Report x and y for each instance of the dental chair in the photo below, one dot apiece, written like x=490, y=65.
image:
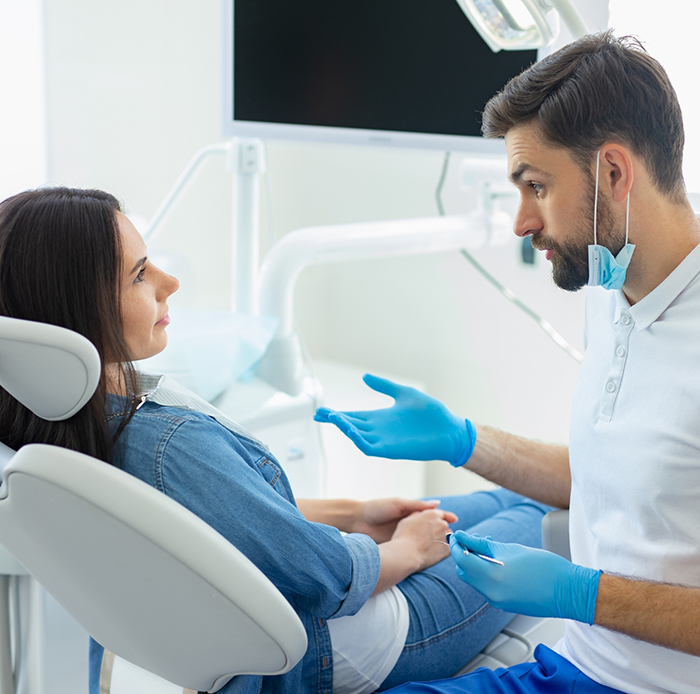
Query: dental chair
x=176, y=606
x=179, y=606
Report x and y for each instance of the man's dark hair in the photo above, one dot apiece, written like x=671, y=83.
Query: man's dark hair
x=596, y=90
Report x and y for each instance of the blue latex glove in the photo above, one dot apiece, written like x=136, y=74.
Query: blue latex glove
x=415, y=427
x=531, y=581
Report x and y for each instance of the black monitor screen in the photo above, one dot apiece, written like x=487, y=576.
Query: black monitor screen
x=397, y=65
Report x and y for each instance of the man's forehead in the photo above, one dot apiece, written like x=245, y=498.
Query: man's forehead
x=523, y=143
x=527, y=151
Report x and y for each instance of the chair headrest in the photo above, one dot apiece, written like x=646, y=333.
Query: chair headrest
x=51, y=370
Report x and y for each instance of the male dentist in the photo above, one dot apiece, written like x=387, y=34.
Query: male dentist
x=594, y=139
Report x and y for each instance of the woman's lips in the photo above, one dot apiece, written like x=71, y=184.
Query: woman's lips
x=165, y=320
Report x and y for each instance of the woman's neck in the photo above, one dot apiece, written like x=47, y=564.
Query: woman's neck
x=114, y=376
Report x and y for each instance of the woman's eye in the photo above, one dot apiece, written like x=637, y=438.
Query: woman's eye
x=139, y=277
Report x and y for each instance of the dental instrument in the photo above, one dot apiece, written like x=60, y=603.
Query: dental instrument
x=466, y=551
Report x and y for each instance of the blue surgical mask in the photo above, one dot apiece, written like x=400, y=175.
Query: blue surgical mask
x=604, y=269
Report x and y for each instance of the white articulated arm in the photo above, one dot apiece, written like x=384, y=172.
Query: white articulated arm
x=574, y=23
x=281, y=365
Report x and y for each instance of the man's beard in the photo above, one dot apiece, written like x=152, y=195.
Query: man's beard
x=570, y=258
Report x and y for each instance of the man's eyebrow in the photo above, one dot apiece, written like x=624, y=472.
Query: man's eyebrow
x=138, y=265
x=517, y=174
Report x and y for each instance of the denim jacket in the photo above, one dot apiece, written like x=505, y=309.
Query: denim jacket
x=234, y=484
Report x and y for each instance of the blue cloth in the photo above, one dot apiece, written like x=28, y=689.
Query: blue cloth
x=550, y=674
x=238, y=488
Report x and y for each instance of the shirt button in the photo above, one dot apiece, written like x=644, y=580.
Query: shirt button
x=626, y=320
x=611, y=387
x=620, y=351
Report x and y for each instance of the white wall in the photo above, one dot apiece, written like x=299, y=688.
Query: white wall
x=134, y=90
x=668, y=36
x=23, y=113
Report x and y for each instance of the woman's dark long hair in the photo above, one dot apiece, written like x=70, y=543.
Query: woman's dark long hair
x=60, y=263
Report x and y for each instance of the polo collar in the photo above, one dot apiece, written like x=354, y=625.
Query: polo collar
x=149, y=384
x=650, y=308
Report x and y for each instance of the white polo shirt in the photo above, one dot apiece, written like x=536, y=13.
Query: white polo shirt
x=635, y=464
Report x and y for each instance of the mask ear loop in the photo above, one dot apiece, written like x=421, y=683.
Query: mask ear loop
x=595, y=207
x=595, y=201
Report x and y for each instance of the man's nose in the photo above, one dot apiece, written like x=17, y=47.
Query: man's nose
x=527, y=219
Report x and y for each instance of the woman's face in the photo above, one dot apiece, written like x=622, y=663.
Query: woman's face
x=145, y=290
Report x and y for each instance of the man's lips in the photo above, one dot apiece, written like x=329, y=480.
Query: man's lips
x=548, y=252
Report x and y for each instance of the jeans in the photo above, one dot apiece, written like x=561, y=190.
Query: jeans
x=450, y=622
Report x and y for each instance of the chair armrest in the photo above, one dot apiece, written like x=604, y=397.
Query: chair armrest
x=555, y=533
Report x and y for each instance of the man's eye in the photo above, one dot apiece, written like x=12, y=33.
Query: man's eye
x=537, y=187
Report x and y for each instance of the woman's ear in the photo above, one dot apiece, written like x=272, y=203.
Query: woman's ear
x=616, y=171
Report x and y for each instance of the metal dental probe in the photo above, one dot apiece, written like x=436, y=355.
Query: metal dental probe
x=481, y=556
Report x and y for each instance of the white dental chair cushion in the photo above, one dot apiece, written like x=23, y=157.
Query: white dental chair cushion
x=50, y=370
x=555, y=533
x=144, y=576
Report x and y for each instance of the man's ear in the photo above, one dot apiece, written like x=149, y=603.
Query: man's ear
x=616, y=171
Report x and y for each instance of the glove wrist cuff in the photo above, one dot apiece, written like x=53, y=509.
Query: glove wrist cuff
x=582, y=587
x=467, y=435
x=592, y=596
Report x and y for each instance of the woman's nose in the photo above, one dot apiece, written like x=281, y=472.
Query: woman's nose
x=174, y=284
x=168, y=285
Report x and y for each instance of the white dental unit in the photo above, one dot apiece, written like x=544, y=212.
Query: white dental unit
x=297, y=94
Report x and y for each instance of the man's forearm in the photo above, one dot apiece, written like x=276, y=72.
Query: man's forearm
x=537, y=470
x=660, y=613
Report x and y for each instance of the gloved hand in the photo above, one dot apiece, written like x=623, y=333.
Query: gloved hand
x=415, y=427
x=531, y=581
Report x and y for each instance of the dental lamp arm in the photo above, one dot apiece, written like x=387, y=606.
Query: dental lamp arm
x=344, y=242
x=281, y=365
x=570, y=16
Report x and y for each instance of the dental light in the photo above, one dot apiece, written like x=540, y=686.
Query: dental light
x=521, y=24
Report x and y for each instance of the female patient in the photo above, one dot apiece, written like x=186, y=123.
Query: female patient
x=381, y=604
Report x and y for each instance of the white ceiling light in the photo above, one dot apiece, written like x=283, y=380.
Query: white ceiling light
x=521, y=24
